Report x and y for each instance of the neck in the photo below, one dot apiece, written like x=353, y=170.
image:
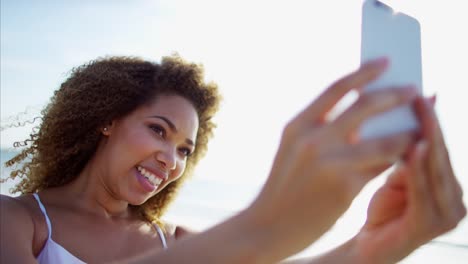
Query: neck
x=89, y=193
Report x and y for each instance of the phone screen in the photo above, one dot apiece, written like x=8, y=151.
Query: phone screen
x=397, y=37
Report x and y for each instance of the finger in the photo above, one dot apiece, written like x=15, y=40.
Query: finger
x=368, y=72
x=398, y=177
x=388, y=202
x=381, y=169
x=419, y=193
x=427, y=117
x=431, y=132
x=425, y=206
x=374, y=154
x=446, y=188
x=433, y=100
x=372, y=103
x=439, y=156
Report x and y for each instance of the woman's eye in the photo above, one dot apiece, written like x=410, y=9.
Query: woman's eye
x=158, y=130
x=186, y=152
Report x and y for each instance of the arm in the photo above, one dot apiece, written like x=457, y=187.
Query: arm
x=341, y=254
x=17, y=231
x=316, y=162
x=240, y=239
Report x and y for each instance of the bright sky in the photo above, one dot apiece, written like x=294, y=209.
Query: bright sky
x=270, y=58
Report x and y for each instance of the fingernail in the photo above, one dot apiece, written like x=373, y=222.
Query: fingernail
x=421, y=147
x=433, y=100
x=381, y=62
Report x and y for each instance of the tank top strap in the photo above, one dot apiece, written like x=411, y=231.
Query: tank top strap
x=44, y=212
x=161, y=235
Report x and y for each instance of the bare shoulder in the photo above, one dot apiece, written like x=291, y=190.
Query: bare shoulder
x=14, y=208
x=20, y=213
x=17, y=229
x=24, y=205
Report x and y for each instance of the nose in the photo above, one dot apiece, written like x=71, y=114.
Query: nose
x=167, y=158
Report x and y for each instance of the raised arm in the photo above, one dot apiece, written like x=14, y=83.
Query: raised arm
x=316, y=174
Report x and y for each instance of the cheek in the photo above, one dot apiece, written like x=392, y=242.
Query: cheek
x=141, y=143
x=135, y=146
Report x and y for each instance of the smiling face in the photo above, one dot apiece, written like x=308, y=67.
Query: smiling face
x=147, y=149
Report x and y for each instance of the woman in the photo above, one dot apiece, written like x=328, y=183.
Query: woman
x=121, y=134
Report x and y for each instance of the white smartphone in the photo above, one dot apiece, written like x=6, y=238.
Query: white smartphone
x=397, y=37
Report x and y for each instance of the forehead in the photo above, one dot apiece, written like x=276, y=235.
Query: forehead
x=177, y=109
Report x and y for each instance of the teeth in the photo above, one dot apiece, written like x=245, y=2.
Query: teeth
x=148, y=175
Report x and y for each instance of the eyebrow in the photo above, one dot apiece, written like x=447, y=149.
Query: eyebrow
x=173, y=127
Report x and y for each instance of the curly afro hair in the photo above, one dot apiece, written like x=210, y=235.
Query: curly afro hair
x=95, y=94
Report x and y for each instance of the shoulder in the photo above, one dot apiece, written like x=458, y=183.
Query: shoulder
x=14, y=208
x=16, y=228
x=21, y=217
x=21, y=206
x=15, y=215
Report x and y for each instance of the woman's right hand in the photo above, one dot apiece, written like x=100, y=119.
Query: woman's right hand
x=318, y=170
x=320, y=165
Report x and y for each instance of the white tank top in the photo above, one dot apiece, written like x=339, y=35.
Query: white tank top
x=54, y=253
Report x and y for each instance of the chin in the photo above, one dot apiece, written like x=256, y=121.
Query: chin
x=138, y=199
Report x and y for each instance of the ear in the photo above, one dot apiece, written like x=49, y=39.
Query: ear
x=107, y=129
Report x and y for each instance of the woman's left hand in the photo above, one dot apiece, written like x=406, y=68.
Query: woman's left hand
x=421, y=200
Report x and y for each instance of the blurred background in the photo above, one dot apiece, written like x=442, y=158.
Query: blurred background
x=270, y=59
